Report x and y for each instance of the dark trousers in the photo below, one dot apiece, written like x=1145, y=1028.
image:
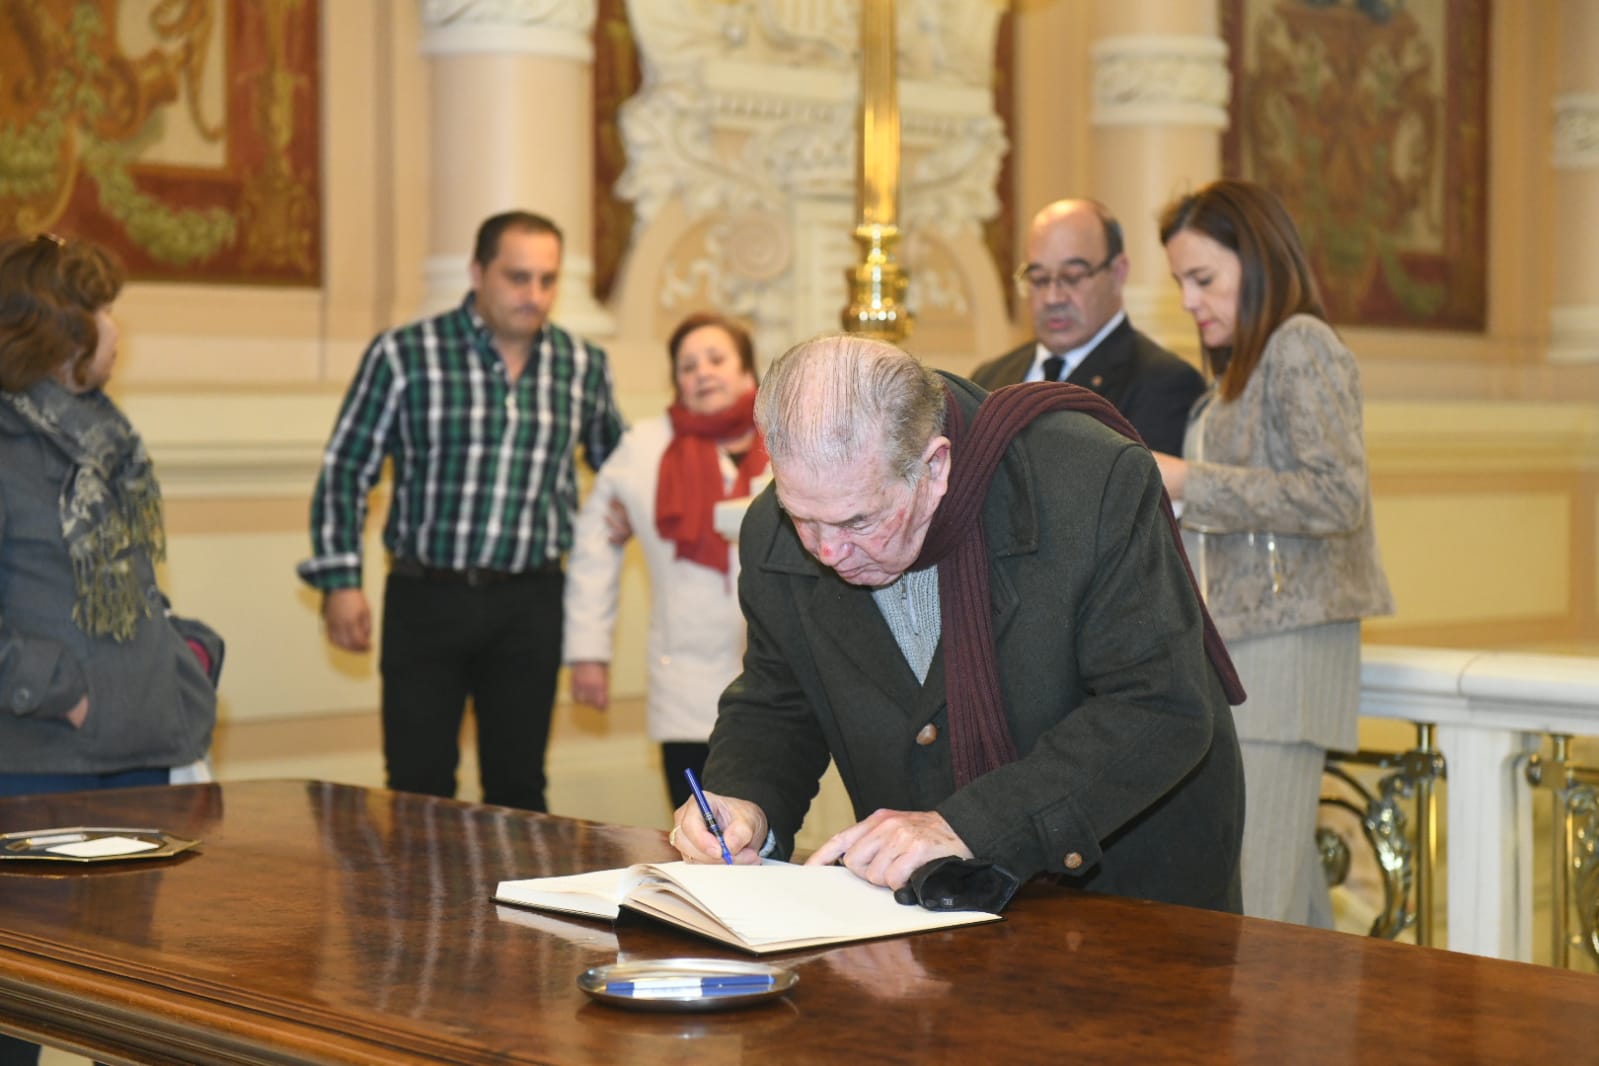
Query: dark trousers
x=14, y=1051
x=676, y=756
x=500, y=645
x=42, y=784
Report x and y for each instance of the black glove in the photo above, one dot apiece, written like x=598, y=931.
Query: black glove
x=955, y=884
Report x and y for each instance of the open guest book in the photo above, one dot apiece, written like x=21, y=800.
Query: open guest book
x=776, y=906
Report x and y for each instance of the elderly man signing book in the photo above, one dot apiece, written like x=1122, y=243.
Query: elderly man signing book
x=978, y=608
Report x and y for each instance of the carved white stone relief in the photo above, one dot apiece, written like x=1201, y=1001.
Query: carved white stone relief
x=944, y=41
x=948, y=41
x=739, y=264
x=808, y=32
x=736, y=256
x=559, y=28
x=1161, y=80
x=747, y=115
x=757, y=246
x=1577, y=131
x=936, y=283
x=951, y=171
x=576, y=15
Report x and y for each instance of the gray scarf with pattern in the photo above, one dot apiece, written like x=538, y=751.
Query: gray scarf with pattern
x=110, y=504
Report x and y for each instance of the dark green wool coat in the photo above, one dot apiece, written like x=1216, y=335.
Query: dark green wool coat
x=1129, y=761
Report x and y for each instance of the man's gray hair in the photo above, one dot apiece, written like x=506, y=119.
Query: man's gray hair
x=832, y=400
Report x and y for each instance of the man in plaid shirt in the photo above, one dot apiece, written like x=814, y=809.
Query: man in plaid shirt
x=481, y=411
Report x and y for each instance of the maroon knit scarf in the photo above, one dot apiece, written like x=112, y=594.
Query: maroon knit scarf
x=690, y=479
x=980, y=738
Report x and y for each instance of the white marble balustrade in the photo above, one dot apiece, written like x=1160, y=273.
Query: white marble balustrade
x=1491, y=708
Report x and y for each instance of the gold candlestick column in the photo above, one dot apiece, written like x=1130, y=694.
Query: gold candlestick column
x=877, y=284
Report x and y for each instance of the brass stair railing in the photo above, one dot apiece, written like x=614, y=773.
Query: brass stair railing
x=1407, y=883
x=1574, y=849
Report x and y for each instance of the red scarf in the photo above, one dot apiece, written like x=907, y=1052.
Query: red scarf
x=691, y=478
x=980, y=738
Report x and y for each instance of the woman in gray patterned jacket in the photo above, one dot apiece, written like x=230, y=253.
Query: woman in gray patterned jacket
x=1276, y=518
x=100, y=685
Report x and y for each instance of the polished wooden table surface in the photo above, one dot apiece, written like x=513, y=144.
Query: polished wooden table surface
x=327, y=923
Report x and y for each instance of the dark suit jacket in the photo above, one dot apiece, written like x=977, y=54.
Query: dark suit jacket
x=1129, y=780
x=1149, y=385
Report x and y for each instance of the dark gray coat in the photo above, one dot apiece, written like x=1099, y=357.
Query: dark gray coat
x=1129, y=759
x=150, y=703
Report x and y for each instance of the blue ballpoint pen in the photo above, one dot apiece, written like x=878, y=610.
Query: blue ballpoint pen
x=705, y=809
x=709, y=985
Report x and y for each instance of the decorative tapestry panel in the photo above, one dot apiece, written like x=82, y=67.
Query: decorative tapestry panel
x=183, y=134
x=1370, y=119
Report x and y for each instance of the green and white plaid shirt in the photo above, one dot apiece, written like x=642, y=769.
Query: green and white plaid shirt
x=484, y=468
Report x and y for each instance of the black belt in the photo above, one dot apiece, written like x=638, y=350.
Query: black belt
x=474, y=576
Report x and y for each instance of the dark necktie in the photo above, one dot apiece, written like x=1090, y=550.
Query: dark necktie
x=1052, y=368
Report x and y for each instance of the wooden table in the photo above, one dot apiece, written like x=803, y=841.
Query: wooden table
x=327, y=923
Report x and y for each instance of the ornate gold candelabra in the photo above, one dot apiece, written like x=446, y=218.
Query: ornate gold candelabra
x=877, y=284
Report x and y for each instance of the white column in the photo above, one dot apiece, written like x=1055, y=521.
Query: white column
x=1574, y=306
x=512, y=118
x=1489, y=843
x=1159, y=108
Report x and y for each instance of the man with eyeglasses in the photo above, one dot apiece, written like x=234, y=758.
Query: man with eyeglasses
x=1072, y=281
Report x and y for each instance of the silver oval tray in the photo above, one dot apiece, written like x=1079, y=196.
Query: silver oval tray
x=686, y=984
x=81, y=843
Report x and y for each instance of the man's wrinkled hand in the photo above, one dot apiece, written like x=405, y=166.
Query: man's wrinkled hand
x=889, y=846
x=743, y=824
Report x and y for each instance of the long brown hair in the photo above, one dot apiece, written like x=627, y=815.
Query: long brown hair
x=1275, y=282
x=50, y=289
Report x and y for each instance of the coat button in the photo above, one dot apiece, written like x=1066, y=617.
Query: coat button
x=1073, y=861
x=927, y=734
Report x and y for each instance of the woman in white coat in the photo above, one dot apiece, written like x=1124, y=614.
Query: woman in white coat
x=663, y=482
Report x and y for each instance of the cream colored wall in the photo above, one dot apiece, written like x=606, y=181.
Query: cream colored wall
x=1482, y=456
x=1485, y=514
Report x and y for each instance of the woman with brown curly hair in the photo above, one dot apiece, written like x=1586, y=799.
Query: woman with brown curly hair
x=101, y=685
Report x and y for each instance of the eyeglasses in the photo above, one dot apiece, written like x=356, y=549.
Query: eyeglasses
x=1030, y=279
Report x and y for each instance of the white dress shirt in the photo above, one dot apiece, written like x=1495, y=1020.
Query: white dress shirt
x=1072, y=356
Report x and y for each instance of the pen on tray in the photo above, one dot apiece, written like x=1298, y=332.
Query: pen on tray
x=705, y=809
x=663, y=987
x=55, y=838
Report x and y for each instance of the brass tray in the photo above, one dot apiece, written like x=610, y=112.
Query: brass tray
x=686, y=984
x=81, y=843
